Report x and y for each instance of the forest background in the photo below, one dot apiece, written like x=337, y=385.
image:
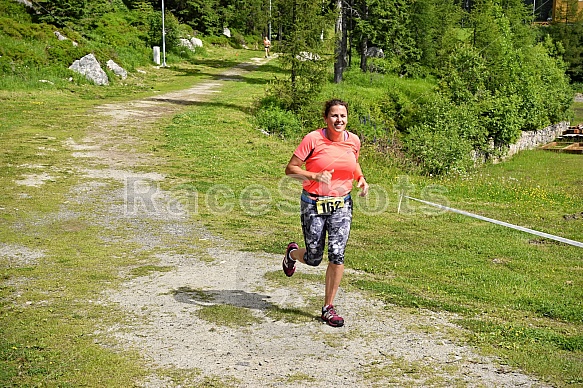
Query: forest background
x=474, y=78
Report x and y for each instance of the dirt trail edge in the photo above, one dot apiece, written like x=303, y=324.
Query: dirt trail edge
x=379, y=346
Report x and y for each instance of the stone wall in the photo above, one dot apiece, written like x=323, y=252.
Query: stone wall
x=527, y=141
x=533, y=139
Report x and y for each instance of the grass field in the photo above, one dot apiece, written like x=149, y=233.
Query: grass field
x=519, y=295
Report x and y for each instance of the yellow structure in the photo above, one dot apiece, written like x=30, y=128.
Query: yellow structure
x=567, y=11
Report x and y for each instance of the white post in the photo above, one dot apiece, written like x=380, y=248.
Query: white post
x=157, y=55
x=163, y=37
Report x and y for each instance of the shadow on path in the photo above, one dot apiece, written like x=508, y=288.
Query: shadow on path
x=237, y=298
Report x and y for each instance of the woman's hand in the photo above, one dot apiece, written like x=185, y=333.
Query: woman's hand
x=363, y=186
x=324, y=176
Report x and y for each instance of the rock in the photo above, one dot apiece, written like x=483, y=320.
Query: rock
x=60, y=36
x=25, y=2
x=375, y=52
x=117, y=69
x=63, y=37
x=227, y=32
x=186, y=43
x=196, y=42
x=90, y=68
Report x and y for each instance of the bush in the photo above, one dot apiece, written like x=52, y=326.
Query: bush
x=221, y=41
x=444, y=136
x=277, y=121
x=171, y=26
x=383, y=65
x=237, y=40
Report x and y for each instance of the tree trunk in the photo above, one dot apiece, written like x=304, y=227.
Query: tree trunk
x=363, y=57
x=341, y=44
x=351, y=29
x=364, y=43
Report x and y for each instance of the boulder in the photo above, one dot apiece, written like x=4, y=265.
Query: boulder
x=196, y=42
x=90, y=68
x=227, y=32
x=117, y=69
x=25, y=2
x=375, y=52
x=186, y=43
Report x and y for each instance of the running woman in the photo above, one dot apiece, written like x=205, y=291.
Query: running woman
x=330, y=156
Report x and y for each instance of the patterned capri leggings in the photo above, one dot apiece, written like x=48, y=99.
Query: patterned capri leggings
x=315, y=226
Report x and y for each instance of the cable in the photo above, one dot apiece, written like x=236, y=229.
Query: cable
x=521, y=228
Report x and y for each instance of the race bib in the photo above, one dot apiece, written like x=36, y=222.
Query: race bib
x=329, y=205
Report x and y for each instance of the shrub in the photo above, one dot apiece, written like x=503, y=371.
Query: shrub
x=277, y=121
x=171, y=26
x=383, y=65
x=444, y=136
x=222, y=40
x=237, y=40
x=14, y=11
x=63, y=52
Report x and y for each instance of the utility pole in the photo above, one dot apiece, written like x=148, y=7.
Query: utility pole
x=163, y=38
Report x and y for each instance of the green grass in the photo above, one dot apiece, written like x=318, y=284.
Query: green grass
x=518, y=295
x=418, y=257
x=48, y=312
x=578, y=110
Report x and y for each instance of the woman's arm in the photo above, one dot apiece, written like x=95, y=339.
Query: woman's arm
x=295, y=170
x=361, y=180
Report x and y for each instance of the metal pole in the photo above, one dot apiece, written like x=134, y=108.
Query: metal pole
x=163, y=38
x=533, y=9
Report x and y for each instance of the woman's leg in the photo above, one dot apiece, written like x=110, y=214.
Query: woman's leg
x=338, y=226
x=314, y=231
x=298, y=255
x=334, y=274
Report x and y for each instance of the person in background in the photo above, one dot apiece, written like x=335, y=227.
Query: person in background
x=267, y=45
x=330, y=156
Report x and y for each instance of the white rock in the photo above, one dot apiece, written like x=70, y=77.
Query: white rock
x=117, y=69
x=196, y=42
x=91, y=69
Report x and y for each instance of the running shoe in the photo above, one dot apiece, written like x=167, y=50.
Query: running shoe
x=330, y=316
x=289, y=264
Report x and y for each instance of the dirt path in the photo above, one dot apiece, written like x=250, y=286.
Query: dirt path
x=380, y=345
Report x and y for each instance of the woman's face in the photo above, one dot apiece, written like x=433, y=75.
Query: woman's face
x=337, y=118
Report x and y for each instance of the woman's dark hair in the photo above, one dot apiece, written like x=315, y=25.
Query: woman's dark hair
x=330, y=103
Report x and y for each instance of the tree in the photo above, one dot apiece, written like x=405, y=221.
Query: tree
x=509, y=79
x=301, y=53
x=570, y=37
x=385, y=24
x=435, y=26
x=61, y=12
